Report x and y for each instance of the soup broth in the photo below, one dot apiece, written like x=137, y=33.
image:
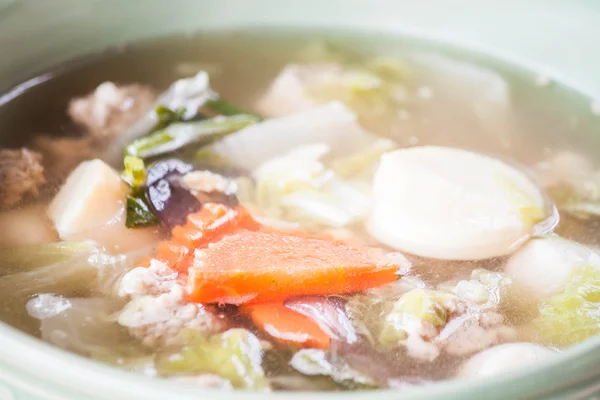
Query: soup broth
x=300, y=211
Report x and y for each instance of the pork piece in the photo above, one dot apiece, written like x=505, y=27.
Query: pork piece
x=158, y=310
x=21, y=176
x=110, y=109
x=478, y=333
x=469, y=329
x=105, y=113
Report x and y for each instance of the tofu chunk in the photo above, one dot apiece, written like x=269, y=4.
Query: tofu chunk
x=91, y=205
x=503, y=358
x=543, y=266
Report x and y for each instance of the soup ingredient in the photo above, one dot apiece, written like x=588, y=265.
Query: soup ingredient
x=167, y=197
x=26, y=225
x=362, y=164
x=413, y=321
x=314, y=362
x=283, y=266
x=105, y=114
x=424, y=97
x=461, y=104
x=489, y=208
x=139, y=214
x=112, y=268
x=298, y=187
x=185, y=94
x=138, y=210
x=30, y=257
x=287, y=326
x=394, y=290
x=332, y=124
x=91, y=205
x=571, y=315
x=134, y=173
x=503, y=358
x=543, y=266
x=372, y=88
x=179, y=135
x=225, y=108
x=467, y=334
x=573, y=182
x=209, y=225
x=208, y=159
x=67, y=268
x=286, y=95
x=234, y=355
x=329, y=313
x=83, y=325
x=166, y=116
x=111, y=109
x=70, y=268
x=427, y=322
x=158, y=308
x=174, y=190
x=205, y=182
x=485, y=288
x=409, y=312
x=21, y=176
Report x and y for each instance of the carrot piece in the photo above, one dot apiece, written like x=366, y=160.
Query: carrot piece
x=208, y=225
x=256, y=267
x=286, y=326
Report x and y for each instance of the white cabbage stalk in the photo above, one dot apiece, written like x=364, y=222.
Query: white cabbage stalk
x=84, y=325
x=452, y=204
x=485, y=288
x=313, y=362
x=286, y=94
x=297, y=187
x=362, y=164
x=299, y=87
x=189, y=93
x=332, y=124
x=64, y=268
x=373, y=87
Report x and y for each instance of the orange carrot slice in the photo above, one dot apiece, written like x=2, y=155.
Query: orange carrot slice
x=286, y=326
x=208, y=225
x=256, y=267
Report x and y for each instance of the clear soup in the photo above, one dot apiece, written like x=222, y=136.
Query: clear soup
x=277, y=210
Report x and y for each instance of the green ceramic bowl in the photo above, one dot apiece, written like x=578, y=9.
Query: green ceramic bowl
x=557, y=38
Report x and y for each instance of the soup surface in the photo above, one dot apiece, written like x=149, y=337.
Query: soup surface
x=290, y=211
